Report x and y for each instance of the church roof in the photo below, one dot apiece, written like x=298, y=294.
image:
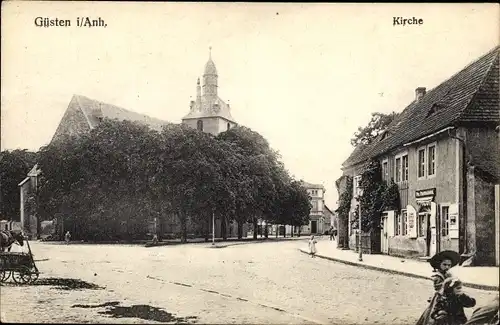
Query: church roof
x=471, y=95
x=210, y=107
x=94, y=109
x=210, y=67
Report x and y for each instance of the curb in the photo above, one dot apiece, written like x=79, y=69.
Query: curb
x=226, y=243
x=412, y=275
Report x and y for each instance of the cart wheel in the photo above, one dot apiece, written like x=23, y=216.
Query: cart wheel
x=4, y=275
x=22, y=276
x=34, y=276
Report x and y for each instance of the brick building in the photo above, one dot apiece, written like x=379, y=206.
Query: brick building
x=442, y=151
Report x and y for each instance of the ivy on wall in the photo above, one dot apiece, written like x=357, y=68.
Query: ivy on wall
x=345, y=198
x=377, y=197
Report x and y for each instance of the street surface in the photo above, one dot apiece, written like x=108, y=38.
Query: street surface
x=258, y=283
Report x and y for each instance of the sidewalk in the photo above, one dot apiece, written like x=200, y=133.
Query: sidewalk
x=485, y=278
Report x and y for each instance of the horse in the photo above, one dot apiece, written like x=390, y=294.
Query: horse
x=9, y=237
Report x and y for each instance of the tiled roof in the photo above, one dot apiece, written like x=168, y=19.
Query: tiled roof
x=93, y=109
x=210, y=106
x=471, y=95
x=312, y=186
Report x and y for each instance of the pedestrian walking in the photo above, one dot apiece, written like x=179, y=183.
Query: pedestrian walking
x=446, y=307
x=67, y=237
x=312, y=246
x=331, y=233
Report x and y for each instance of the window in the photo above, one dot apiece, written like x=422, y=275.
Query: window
x=199, y=125
x=404, y=171
x=356, y=184
x=397, y=224
x=431, y=160
x=398, y=170
x=445, y=221
x=421, y=163
x=314, y=205
x=422, y=225
x=404, y=222
x=385, y=170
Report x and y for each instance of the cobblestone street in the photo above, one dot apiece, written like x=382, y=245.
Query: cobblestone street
x=195, y=283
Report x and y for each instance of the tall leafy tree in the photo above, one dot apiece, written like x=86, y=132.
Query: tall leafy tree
x=14, y=167
x=378, y=124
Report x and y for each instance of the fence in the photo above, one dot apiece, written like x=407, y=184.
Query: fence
x=370, y=242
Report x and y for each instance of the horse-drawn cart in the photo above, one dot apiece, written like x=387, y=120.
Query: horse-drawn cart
x=21, y=266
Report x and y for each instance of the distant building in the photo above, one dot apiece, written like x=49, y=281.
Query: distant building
x=319, y=217
x=443, y=152
x=209, y=113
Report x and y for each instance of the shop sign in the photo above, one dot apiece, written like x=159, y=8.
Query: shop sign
x=425, y=193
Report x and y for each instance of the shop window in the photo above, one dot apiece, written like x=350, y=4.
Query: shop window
x=445, y=221
x=404, y=222
x=397, y=224
x=199, y=125
x=422, y=225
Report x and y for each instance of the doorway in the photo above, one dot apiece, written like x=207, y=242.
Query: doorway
x=314, y=227
x=384, y=236
x=427, y=229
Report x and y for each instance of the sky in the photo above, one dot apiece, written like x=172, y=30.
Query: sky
x=305, y=76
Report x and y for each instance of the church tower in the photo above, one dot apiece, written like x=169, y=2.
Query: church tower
x=209, y=113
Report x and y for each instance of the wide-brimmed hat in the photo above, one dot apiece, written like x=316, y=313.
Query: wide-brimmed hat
x=436, y=260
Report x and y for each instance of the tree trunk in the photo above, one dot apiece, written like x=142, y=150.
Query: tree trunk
x=183, y=220
x=254, y=228
x=240, y=229
x=291, y=232
x=207, y=227
x=277, y=230
x=266, y=231
x=284, y=231
x=223, y=227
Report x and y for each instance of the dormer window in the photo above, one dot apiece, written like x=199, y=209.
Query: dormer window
x=435, y=108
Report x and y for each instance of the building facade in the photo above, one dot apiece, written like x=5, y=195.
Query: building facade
x=209, y=113
x=319, y=220
x=443, y=153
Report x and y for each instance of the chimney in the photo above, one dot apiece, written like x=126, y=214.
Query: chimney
x=419, y=93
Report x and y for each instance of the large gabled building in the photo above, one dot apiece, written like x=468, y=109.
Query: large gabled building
x=442, y=151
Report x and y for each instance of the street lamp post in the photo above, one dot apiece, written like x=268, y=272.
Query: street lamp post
x=213, y=228
x=360, y=193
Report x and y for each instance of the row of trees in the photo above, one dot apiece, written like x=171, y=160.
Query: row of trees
x=109, y=182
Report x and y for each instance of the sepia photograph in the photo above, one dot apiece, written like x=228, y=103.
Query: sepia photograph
x=249, y=163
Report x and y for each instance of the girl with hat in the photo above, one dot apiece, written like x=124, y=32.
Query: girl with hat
x=447, y=305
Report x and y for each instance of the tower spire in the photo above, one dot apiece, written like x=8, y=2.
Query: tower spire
x=210, y=53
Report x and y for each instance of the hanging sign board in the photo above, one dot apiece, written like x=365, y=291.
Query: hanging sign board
x=425, y=193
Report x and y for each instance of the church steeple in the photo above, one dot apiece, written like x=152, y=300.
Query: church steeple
x=198, y=91
x=210, y=77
